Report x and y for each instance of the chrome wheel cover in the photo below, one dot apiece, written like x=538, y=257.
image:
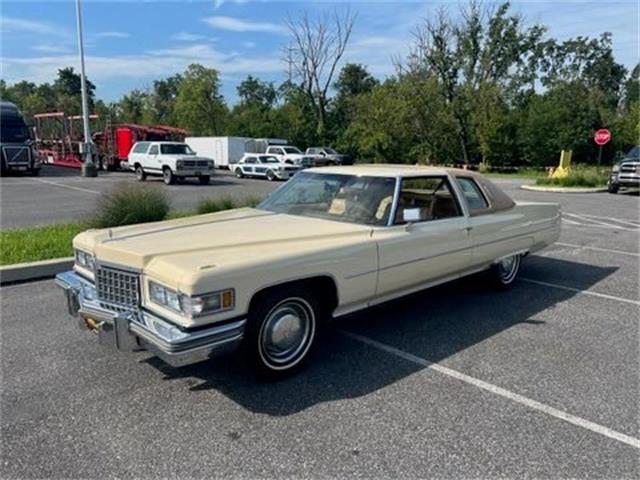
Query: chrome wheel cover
x=287, y=333
x=508, y=268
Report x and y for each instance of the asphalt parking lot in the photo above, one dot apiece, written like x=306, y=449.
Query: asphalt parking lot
x=60, y=194
x=541, y=381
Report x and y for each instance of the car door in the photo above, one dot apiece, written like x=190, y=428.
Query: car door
x=249, y=165
x=429, y=239
x=260, y=169
x=495, y=232
x=152, y=158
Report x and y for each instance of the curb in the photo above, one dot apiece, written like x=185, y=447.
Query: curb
x=538, y=188
x=22, y=272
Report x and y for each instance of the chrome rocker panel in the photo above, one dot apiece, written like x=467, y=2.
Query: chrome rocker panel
x=129, y=331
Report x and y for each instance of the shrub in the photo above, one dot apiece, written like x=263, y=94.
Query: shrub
x=579, y=176
x=211, y=205
x=129, y=204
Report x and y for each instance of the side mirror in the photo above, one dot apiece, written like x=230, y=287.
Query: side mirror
x=410, y=215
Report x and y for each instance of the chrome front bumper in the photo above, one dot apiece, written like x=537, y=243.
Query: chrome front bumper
x=130, y=331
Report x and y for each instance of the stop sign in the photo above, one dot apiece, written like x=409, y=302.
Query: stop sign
x=602, y=136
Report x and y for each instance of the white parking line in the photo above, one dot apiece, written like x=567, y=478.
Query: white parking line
x=95, y=192
x=589, y=225
x=633, y=223
x=515, y=397
x=598, y=249
x=583, y=292
x=590, y=221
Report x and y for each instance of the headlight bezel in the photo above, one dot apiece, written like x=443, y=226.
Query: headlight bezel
x=84, y=259
x=191, y=306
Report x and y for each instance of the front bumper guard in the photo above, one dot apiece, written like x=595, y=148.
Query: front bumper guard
x=131, y=331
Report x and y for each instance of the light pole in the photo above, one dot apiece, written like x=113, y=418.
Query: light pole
x=88, y=167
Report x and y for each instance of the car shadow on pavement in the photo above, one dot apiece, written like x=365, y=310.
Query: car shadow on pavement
x=433, y=324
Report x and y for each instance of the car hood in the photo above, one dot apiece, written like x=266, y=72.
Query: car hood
x=179, y=251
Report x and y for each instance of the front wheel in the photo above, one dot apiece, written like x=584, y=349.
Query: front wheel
x=613, y=188
x=204, y=180
x=168, y=177
x=270, y=175
x=505, y=271
x=239, y=173
x=282, y=329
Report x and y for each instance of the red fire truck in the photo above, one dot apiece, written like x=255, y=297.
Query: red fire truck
x=58, y=139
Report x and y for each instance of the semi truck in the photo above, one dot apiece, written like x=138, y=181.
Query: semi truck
x=16, y=143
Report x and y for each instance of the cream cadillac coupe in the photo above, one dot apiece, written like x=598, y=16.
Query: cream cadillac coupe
x=329, y=242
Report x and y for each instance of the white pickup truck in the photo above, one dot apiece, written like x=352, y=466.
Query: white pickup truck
x=292, y=155
x=171, y=160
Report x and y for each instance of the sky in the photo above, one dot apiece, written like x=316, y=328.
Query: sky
x=128, y=44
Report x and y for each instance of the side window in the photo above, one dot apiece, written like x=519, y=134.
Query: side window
x=153, y=150
x=472, y=193
x=140, y=147
x=250, y=160
x=431, y=198
x=313, y=151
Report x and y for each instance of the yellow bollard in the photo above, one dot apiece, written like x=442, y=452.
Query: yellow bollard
x=565, y=165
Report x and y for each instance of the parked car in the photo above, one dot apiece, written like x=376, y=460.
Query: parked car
x=626, y=173
x=330, y=155
x=171, y=160
x=264, y=166
x=16, y=145
x=329, y=242
x=293, y=156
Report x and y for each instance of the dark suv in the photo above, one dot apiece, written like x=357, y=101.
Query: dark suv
x=626, y=173
x=16, y=144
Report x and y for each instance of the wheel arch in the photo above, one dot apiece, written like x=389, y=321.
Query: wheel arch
x=322, y=285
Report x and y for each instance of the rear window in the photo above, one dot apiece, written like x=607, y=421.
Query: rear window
x=140, y=147
x=472, y=193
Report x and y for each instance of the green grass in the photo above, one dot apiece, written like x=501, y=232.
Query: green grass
x=54, y=241
x=580, y=176
x=522, y=173
x=37, y=243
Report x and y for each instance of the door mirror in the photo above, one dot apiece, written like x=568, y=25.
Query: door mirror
x=411, y=215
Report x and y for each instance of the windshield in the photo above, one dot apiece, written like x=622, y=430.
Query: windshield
x=14, y=132
x=634, y=153
x=345, y=198
x=176, y=149
x=269, y=160
x=291, y=150
x=330, y=151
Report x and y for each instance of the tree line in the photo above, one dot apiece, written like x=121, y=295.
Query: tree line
x=481, y=87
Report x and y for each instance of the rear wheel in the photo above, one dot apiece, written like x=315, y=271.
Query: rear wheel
x=168, y=177
x=282, y=329
x=505, y=271
x=141, y=176
x=204, y=180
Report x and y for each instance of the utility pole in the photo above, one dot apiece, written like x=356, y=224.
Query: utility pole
x=88, y=167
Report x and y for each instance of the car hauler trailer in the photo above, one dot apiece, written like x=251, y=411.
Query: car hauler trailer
x=227, y=151
x=115, y=141
x=58, y=139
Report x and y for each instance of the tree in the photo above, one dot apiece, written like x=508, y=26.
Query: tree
x=162, y=100
x=354, y=80
x=255, y=92
x=483, y=47
x=131, y=107
x=316, y=49
x=199, y=106
x=68, y=91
